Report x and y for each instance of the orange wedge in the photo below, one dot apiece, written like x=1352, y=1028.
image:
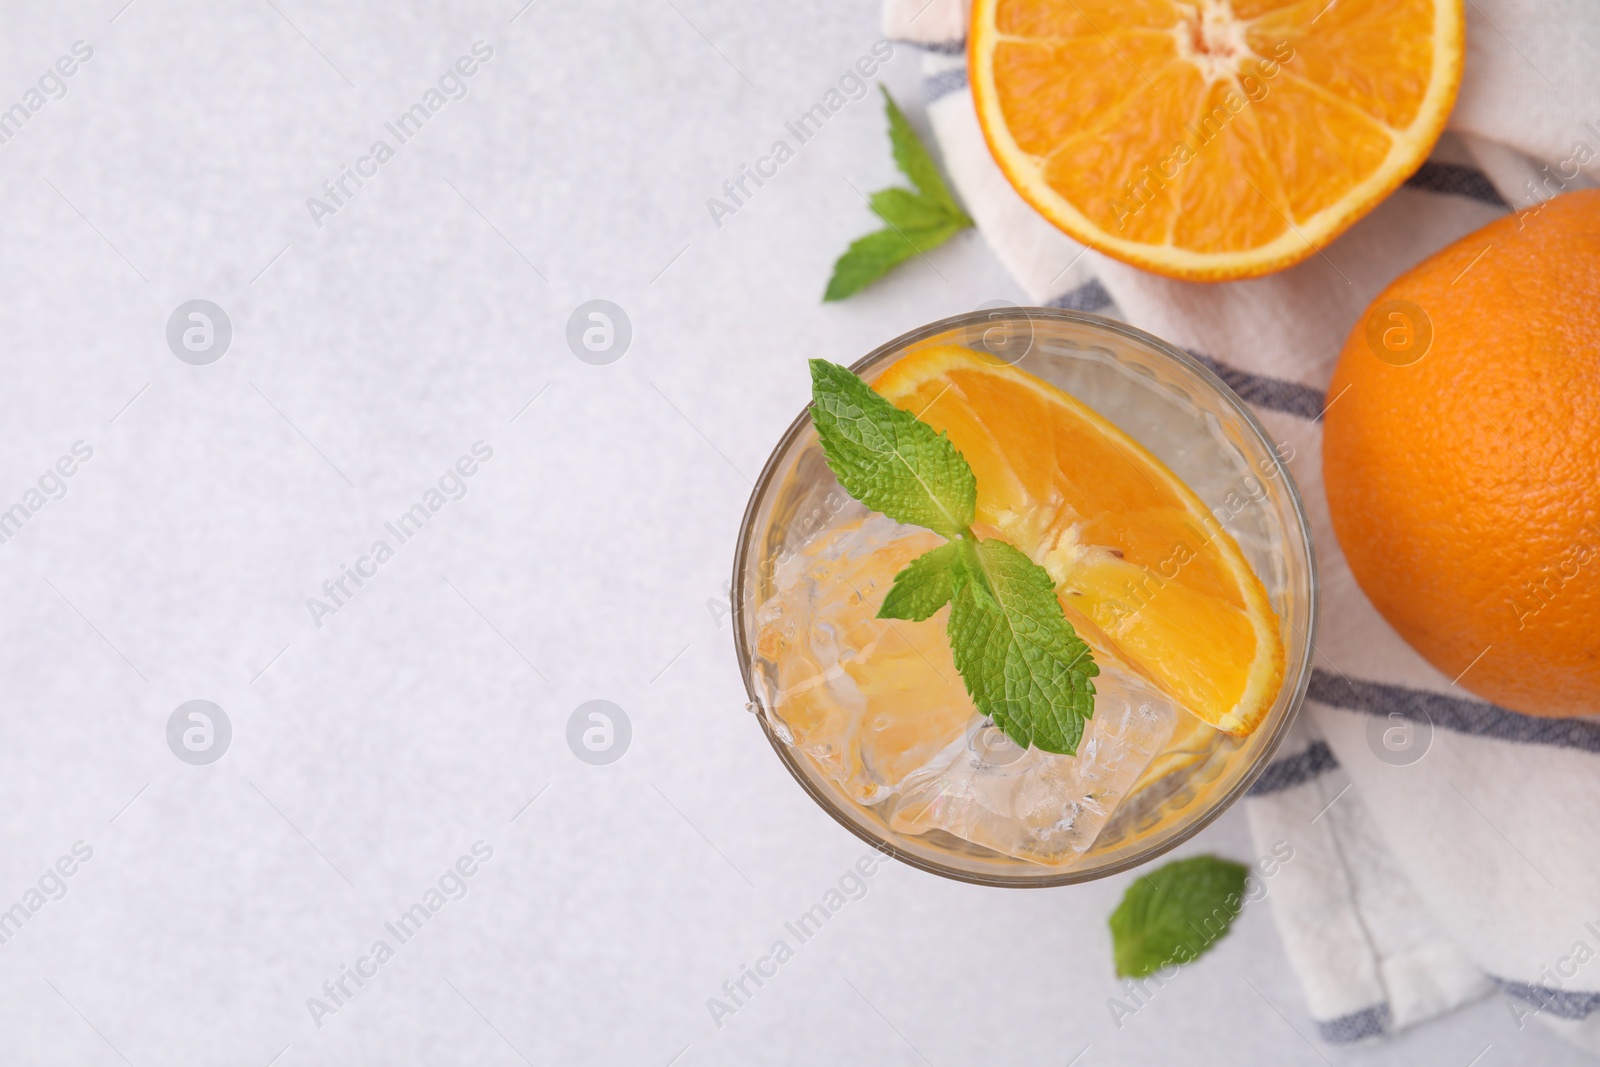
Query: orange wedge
x=1140, y=564
x=1212, y=140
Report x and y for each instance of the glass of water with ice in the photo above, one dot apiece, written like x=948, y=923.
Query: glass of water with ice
x=871, y=716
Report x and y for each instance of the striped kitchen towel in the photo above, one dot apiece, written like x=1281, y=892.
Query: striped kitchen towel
x=1441, y=843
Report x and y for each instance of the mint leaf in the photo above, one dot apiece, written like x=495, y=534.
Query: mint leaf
x=871, y=257
x=888, y=459
x=1176, y=913
x=918, y=221
x=1023, y=663
x=904, y=210
x=925, y=585
x=914, y=162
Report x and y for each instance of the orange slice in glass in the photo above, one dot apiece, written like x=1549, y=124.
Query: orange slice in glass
x=1140, y=564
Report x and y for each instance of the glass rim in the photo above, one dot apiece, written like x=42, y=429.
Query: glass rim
x=1048, y=877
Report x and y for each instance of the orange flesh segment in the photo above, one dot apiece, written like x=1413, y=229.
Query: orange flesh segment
x=1218, y=138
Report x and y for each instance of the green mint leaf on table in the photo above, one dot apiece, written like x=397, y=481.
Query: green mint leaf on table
x=918, y=220
x=913, y=159
x=1023, y=664
x=925, y=586
x=908, y=212
x=1176, y=913
x=871, y=257
x=888, y=459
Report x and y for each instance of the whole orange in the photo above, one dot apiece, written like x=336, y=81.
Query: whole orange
x=1461, y=452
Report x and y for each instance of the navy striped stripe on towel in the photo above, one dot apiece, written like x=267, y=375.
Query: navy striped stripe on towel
x=1562, y=1003
x=1091, y=296
x=944, y=48
x=938, y=86
x=1457, y=714
x=1357, y=1026
x=1274, y=394
x=1286, y=772
x=1453, y=179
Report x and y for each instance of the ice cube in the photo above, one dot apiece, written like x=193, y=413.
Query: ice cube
x=1037, y=805
x=870, y=700
x=878, y=706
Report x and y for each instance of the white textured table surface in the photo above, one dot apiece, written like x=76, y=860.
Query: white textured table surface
x=583, y=562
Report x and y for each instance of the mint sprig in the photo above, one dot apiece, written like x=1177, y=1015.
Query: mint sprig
x=1176, y=913
x=1023, y=664
x=918, y=220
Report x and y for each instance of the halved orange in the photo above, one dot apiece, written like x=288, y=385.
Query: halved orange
x=1140, y=564
x=1212, y=140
